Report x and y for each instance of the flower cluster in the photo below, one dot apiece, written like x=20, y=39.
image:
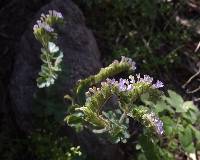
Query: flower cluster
x=128, y=84
x=91, y=91
x=122, y=84
x=44, y=25
x=124, y=59
x=54, y=13
x=129, y=61
x=147, y=79
x=116, y=67
x=158, y=84
x=155, y=122
x=43, y=22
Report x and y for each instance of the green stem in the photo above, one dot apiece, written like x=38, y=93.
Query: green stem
x=49, y=62
x=123, y=116
x=100, y=130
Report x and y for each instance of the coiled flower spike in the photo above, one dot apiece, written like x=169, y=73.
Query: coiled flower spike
x=47, y=20
x=129, y=85
x=127, y=92
x=155, y=122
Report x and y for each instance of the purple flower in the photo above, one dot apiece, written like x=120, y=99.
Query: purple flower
x=35, y=27
x=155, y=122
x=88, y=94
x=148, y=79
x=111, y=81
x=122, y=84
x=44, y=25
x=129, y=87
x=138, y=76
x=47, y=27
x=129, y=61
x=159, y=127
x=55, y=14
x=123, y=59
x=92, y=90
x=129, y=84
x=158, y=84
x=133, y=67
x=115, y=62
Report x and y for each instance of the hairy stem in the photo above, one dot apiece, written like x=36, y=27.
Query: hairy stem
x=123, y=116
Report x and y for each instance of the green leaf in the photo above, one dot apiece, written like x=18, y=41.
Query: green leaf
x=191, y=116
x=189, y=105
x=58, y=60
x=196, y=132
x=169, y=125
x=145, y=99
x=162, y=106
x=165, y=154
x=186, y=140
x=74, y=118
x=176, y=101
x=149, y=148
x=190, y=148
x=173, y=144
x=141, y=156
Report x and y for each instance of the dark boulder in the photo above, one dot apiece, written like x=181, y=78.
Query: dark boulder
x=81, y=58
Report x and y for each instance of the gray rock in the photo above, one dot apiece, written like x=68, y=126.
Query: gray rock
x=81, y=58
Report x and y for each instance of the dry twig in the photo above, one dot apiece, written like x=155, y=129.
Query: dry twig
x=191, y=78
